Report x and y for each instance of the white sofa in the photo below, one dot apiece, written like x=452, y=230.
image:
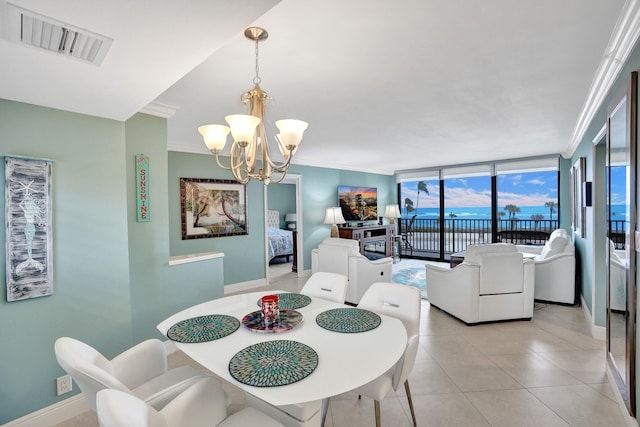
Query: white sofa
x=343, y=256
x=555, y=268
x=493, y=283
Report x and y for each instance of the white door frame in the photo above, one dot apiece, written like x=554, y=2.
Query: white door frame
x=296, y=180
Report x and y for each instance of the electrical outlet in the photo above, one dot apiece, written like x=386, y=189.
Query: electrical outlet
x=63, y=384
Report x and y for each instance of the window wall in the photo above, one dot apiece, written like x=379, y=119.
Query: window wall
x=447, y=209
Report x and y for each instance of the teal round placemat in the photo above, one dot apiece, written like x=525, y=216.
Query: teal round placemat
x=348, y=320
x=291, y=301
x=273, y=363
x=288, y=320
x=203, y=328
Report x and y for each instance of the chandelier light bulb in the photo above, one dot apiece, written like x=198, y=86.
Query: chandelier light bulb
x=215, y=136
x=243, y=127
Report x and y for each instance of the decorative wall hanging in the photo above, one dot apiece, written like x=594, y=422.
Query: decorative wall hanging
x=143, y=213
x=578, y=211
x=212, y=208
x=28, y=227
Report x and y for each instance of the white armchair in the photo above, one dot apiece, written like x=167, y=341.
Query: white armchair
x=343, y=256
x=494, y=282
x=555, y=264
x=200, y=405
x=140, y=371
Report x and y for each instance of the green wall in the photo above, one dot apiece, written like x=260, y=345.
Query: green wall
x=91, y=299
x=282, y=198
x=592, y=249
x=157, y=289
x=112, y=282
x=244, y=259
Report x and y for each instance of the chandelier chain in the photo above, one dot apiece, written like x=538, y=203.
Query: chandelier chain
x=257, y=80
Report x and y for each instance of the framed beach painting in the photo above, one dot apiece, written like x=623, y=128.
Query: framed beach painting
x=28, y=228
x=212, y=208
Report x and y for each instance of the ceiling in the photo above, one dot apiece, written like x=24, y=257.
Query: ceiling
x=385, y=86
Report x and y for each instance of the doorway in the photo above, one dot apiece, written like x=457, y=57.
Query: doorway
x=285, y=197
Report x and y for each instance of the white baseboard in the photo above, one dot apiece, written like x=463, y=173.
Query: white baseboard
x=244, y=286
x=629, y=420
x=597, y=332
x=54, y=414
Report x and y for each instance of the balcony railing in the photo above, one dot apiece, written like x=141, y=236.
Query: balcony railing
x=424, y=237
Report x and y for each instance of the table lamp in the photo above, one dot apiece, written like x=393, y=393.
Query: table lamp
x=291, y=219
x=333, y=217
x=392, y=212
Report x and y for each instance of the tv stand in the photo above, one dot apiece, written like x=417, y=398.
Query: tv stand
x=368, y=235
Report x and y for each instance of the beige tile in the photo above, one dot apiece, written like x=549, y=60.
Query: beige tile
x=478, y=375
x=589, y=366
x=543, y=372
x=360, y=413
x=85, y=419
x=514, y=408
x=450, y=347
x=532, y=370
x=451, y=410
x=490, y=342
x=580, y=405
x=580, y=340
x=427, y=377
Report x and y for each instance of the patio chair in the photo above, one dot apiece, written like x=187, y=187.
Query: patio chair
x=407, y=235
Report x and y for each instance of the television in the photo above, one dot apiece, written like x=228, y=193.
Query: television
x=358, y=203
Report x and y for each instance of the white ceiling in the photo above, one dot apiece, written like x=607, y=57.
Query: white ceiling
x=384, y=85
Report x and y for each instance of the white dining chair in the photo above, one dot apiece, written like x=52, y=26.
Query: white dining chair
x=325, y=285
x=140, y=371
x=202, y=404
x=403, y=303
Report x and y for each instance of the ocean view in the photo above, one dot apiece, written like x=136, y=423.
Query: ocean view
x=485, y=213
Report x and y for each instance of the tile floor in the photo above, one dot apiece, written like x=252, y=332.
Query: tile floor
x=544, y=372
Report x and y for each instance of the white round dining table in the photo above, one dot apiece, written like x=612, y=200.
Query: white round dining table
x=345, y=360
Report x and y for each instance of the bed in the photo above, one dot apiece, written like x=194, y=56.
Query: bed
x=280, y=241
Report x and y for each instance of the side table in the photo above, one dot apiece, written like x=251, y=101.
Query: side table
x=456, y=258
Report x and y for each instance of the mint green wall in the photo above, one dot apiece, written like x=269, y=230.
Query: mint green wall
x=91, y=299
x=112, y=284
x=157, y=289
x=320, y=191
x=588, y=255
x=245, y=255
x=282, y=198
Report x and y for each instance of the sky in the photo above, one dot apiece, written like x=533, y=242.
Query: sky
x=527, y=189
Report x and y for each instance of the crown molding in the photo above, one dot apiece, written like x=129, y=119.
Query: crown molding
x=624, y=36
x=165, y=111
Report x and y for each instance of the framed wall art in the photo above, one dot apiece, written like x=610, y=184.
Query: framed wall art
x=28, y=227
x=212, y=208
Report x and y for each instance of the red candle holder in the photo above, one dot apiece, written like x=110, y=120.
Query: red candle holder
x=270, y=310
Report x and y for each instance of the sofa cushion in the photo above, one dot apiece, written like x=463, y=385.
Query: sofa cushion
x=501, y=273
x=474, y=252
x=555, y=245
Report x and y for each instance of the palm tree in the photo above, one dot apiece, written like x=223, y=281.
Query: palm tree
x=537, y=218
x=421, y=187
x=513, y=210
x=552, y=207
x=408, y=206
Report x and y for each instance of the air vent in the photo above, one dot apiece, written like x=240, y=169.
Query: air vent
x=30, y=28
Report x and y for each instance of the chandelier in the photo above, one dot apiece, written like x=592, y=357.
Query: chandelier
x=250, y=142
